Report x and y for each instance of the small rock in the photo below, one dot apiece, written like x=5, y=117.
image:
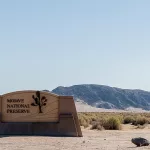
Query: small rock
x=140, y=141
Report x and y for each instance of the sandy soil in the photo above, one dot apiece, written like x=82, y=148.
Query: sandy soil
x=84, y=107
x=92, y=140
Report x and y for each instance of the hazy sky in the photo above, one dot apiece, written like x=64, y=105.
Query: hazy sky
x=45, y=44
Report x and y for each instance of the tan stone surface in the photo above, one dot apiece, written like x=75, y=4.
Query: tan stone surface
x=50, y=111
x=67, y=105
x=0, y=103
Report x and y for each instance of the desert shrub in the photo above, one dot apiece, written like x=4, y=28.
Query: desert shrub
x=112, y=123
x=83, y=121
x=141, y=121
x=98, y=126
x=120, y=118
x=141, y=126
x=85, y=124
x=128, y=119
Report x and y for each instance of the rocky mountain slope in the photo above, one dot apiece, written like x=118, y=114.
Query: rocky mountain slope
x=101, y=96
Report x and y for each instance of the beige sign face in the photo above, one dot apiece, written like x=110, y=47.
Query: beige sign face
x=29, y=106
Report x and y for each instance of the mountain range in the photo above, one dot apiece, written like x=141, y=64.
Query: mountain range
x=107, y=97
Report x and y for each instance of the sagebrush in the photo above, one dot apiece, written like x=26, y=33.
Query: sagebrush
x=112, y=121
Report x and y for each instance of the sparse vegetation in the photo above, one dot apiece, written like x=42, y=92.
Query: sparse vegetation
x=141, y=120
x=141, y=126
x=97, y=125
x=129, y=119
x=113, y=121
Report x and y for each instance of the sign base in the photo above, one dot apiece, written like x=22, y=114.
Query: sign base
x=42, y=128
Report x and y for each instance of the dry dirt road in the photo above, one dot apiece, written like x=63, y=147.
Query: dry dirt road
x=92, y=140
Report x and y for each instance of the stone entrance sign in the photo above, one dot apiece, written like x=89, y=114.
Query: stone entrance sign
x=29, y=106
x=38, y=113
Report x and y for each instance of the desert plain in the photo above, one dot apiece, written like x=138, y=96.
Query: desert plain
x=91, y=140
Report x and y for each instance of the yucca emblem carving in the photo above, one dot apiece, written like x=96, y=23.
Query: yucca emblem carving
x=39, y=101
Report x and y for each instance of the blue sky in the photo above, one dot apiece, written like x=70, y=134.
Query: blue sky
x=45, y=44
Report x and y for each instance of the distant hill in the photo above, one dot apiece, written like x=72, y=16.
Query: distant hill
x=101, y=96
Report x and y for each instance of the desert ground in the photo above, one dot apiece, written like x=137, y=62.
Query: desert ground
x=91, y=140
